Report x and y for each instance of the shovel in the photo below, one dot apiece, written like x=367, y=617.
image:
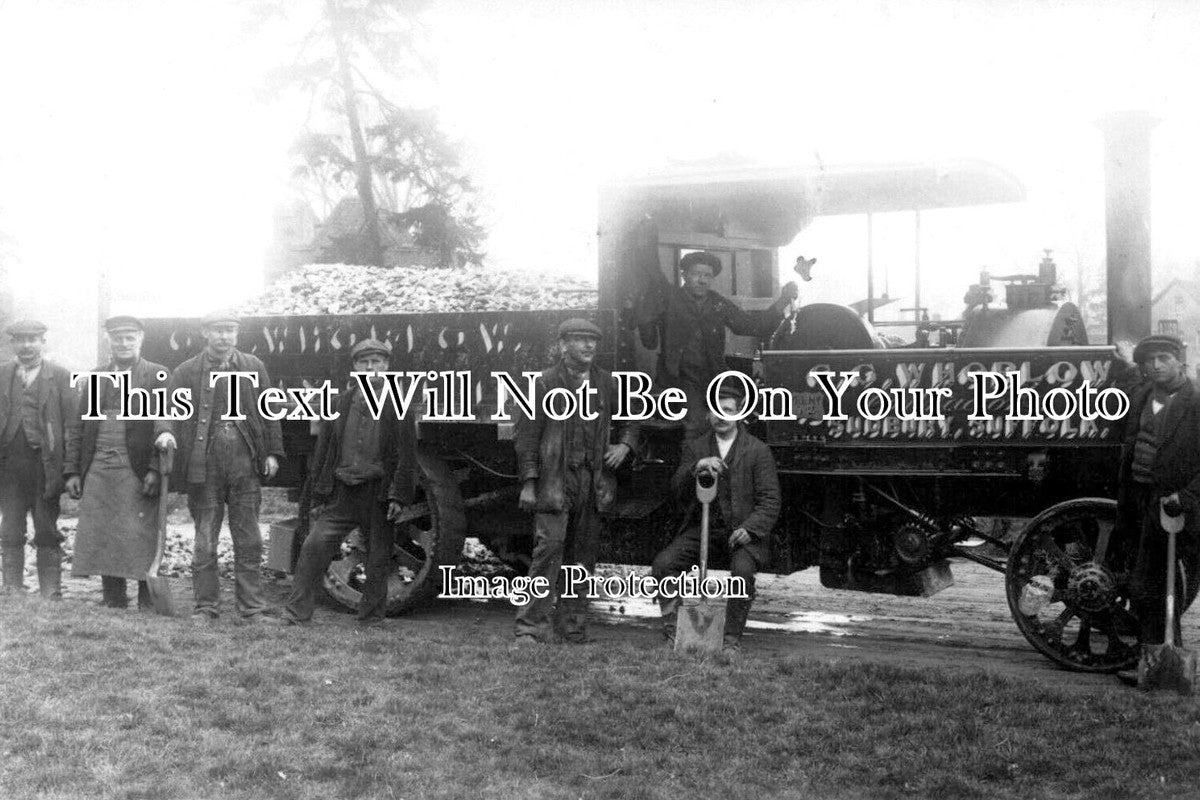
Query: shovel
x=159, y=587
x=1168, y=666
x=700, y=626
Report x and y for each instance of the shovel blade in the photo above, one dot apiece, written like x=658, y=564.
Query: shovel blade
x=1165, y=666
x=700, y=627
x=160, y=595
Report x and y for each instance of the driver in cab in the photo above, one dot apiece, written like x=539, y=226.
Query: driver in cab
x=690, y=322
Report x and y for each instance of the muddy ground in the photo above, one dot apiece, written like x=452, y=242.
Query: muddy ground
x=966, y=626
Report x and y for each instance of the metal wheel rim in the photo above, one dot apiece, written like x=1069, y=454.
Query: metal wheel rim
x=419, y=548
x=412, y=561
x=1055, y=546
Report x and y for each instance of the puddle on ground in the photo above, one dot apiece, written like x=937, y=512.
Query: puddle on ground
x=613, y=609
x=812, y=622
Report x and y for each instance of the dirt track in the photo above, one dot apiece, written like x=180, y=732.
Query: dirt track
x=967, y=626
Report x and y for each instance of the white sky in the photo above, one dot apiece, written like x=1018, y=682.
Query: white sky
x=132, y=140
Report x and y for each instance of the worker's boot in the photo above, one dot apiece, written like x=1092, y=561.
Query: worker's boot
x=670, y=616
x=14, y=569
x=736, y=613
x=113, y=589
x=49, y=569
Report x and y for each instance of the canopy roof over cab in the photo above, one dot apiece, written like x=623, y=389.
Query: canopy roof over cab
x=782, y=200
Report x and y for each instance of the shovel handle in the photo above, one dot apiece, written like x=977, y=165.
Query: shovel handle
x=1169, y=630
x=706, y=491
x=166, y=461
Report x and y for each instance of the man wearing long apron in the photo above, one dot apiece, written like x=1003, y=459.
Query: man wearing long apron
x=112, y=470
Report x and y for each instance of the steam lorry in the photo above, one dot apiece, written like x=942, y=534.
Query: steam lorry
x=880, y=498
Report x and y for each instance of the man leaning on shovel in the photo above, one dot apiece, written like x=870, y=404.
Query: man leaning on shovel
x=1160, y=471
x=742, y=516
x=112, y=465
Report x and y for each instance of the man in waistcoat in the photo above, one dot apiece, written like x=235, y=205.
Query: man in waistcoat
x=364, y=473
x=37, y=405
x=112, y=468
x=222, y=461
x=1161, y=465
x=566, y=469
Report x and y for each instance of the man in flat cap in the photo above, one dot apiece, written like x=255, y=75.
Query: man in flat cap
x=690, y=321
x=567, y=481
x=222, y=460
x=112, y=468
x=741, y=518
x=364, y=473
x=1160, y=466
x=37, y=405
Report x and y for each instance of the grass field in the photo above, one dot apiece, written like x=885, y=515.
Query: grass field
x=97, y=703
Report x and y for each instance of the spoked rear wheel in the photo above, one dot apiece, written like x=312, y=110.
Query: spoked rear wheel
x=422, y=544
x=1068, y=587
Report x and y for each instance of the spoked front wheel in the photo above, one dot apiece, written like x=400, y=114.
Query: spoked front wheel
x=1067, y=582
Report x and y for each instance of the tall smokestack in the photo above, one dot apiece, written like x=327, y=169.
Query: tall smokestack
x=1127, y=220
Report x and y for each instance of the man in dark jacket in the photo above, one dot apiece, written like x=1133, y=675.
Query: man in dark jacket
x=1161, y=466
x=112, y=469
x=222, y=462
x=566, y=469
x=690, y=323
x=37, y=405
x=364, y=472
x=740, y=520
